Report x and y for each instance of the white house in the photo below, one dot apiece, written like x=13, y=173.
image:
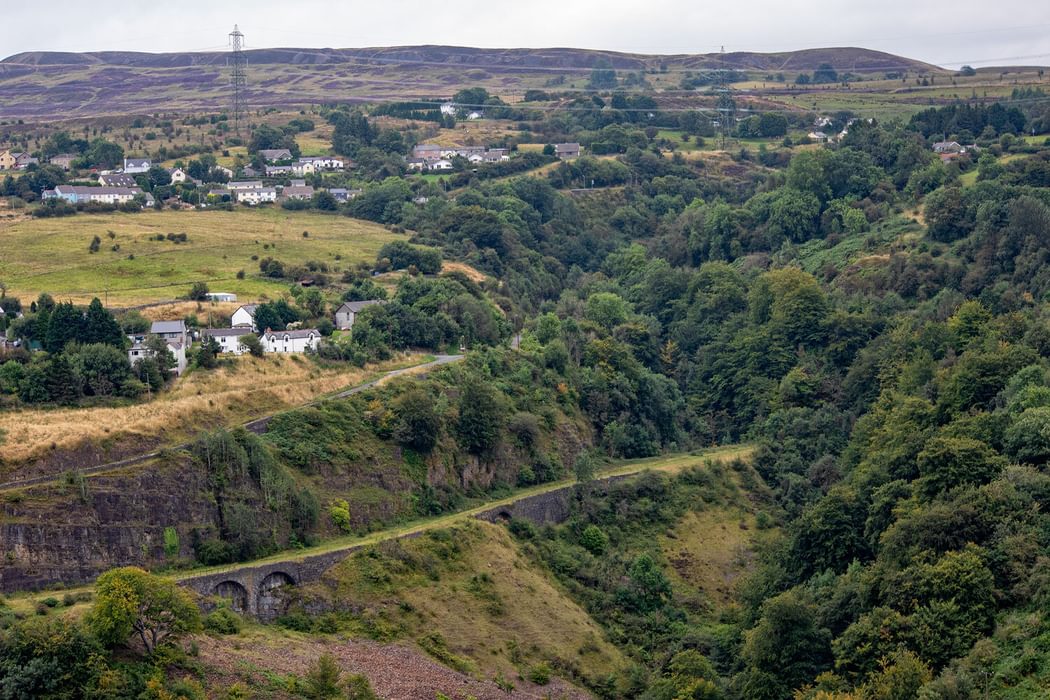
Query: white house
x=324, y=162
x=297, y=192
x=103, y=195
x=441, y=165
x=256, y=196
x=229, y=339
x=291, y=341
x=346, y=314
x=179, y=176
x=448, y=109
x=244, y=317
x=244, y=185
x=137, y=165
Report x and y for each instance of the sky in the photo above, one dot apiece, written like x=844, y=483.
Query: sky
x=949, y=33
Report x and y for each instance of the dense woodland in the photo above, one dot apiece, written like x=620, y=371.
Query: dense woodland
x=871, y=317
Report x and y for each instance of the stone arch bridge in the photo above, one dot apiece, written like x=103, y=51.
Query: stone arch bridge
x=256, y=589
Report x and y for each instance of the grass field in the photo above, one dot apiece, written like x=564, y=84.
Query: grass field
x=243, y=389
x=51, y=255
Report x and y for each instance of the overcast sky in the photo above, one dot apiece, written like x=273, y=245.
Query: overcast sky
x=945, y=32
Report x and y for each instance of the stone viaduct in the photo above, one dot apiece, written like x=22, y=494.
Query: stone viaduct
x=256, y=589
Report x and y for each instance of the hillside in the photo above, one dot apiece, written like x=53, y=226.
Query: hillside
x=48, y=84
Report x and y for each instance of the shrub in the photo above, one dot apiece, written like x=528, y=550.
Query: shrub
x=540, y=674
x=222, y=621
x=339, y=512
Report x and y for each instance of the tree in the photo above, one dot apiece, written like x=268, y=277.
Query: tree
x=785, y=649
x=606, y=309
x=313, y=301
x=198, y=292
x=62, y=384
x=947, y=462
x=103, y=368
x=480, y=417
x=252, y=344
x=130, y=601
x=647, y=586
x=101, y=327
x=418, y=424
x=594, y=540
x=65, y=325
x=825, y=74
x=322, y=681
x=208, y=354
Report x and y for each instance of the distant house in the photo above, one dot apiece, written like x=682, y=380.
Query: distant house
x=475, y=115
x=225, y=171
x=297, y=192
x=170, y=330
x=244, y=317
x=275, y=170
x=818, y=136
x=179, y=176
x=220, y=296
x=416, y=164
x=448, y=109
x=138, y=351
x=343, y=194
x=256, y=196
x=245, y=185
x=346, y=314
x=117, y=180
x=63, y=160
x=229, y=339
x=426, y=151
x=249, y=171
x=324, y=162
x=273, y=155
x=948, y=147
x=15, y=160
x=75, y=194
x=567, y=150
x=441, y=164
x=291, y=341
x=137, y=165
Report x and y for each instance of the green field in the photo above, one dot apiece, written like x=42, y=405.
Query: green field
x=51, y=255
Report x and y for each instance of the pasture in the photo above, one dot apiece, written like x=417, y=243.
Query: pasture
x=133, y=267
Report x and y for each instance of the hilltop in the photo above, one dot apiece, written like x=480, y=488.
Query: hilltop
x=44, y=84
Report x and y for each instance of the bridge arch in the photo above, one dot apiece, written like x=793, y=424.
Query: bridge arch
x=235, y=594
x=270, y=601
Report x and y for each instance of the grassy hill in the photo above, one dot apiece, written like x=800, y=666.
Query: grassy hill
x=132, y=267
x=51, y=84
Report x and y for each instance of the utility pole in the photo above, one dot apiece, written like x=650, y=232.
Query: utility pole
x=239, y=75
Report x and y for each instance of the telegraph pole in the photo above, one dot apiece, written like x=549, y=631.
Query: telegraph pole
x=238, y=75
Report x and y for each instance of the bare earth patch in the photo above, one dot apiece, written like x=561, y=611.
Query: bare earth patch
x=396, y=672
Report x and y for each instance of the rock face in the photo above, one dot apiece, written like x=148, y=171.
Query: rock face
x=152, y=513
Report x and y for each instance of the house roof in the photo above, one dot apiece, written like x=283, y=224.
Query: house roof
x=244, y=184
x=301, y=333
x=566, y=147
x=168, y=327
x=136, y=162
x=117, y=180
x=355, y=306
x=298, y=191
x=275, y=153
x=86, y=191
x=217, y=332
x=249, y=308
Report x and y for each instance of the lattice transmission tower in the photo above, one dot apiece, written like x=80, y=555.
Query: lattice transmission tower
x=238, y=75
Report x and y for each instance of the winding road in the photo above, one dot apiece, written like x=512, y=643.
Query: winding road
x=257, y=425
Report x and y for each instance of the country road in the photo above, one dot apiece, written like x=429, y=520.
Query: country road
x=257, y=425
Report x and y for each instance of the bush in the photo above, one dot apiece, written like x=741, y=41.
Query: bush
x=222, y=621
x=339, y=512
x=540, y=674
